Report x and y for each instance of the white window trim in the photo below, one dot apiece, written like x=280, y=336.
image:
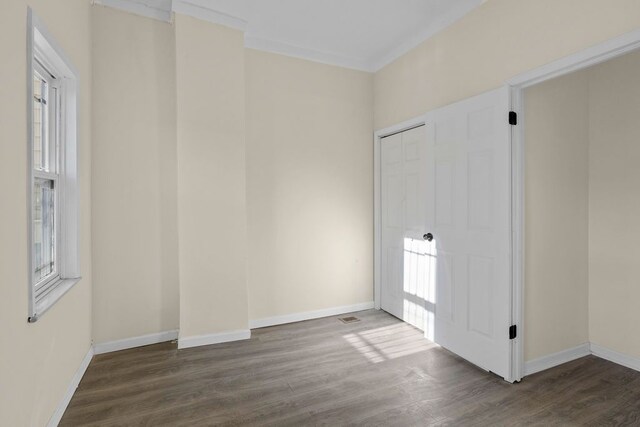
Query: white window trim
x=53, y=105
x=40, y=44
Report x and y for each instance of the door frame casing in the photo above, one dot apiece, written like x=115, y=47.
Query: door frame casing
x=585, y=58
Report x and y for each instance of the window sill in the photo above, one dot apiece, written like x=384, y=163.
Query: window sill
x=45, y=303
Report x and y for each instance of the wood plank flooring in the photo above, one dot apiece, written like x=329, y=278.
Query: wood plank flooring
x=375, y=372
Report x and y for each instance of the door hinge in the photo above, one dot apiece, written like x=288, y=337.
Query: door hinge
x=513, y=332
x=513, y=118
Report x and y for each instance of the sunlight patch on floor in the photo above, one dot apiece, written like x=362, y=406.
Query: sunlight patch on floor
x=388, y=342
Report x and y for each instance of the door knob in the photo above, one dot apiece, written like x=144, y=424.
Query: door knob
x=428, y=237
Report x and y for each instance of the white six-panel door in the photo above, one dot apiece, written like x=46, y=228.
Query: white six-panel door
x=469, y=200
x=403, y=191
x=451, y=178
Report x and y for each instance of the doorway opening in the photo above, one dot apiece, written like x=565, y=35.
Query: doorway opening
x=580, y=175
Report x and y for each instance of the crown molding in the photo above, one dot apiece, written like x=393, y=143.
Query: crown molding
x=163, y=10
x=154, y=9
x=198, y=9
x=273, y=46
x=412, y=42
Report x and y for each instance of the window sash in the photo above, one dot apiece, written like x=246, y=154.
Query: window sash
x=46, y=228
x=49, y=129
x=40, y=121
x=58, y=168
x=46, y=170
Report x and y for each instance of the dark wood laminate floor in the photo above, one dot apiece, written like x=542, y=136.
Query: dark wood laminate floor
x=376, y=372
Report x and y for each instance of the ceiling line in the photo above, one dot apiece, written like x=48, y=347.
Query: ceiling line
x=163, y=10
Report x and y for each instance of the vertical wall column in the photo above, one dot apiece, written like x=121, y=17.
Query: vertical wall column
x=210, y=83
x=134, y=195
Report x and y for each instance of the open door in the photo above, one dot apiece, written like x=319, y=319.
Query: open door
x=468, y=211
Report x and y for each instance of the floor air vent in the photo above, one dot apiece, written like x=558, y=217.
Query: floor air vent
x=349, y=319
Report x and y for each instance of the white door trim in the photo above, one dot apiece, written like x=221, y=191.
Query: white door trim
x=586, y=58
x=377, y=224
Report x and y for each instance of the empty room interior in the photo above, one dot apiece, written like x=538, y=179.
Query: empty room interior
x=320, y=212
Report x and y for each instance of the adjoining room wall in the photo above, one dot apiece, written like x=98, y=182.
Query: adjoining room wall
x=309, y=185
x=134, y=200
x=556, y=215
x=582, y=209
x=614, y=204
x=39, y=360
x=212, y=225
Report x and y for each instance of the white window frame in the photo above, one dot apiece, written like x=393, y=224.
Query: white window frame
x=44, y=53
x=51, y=171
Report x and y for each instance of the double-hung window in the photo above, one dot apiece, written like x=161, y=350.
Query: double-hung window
x=53, y=173
x=46, y=182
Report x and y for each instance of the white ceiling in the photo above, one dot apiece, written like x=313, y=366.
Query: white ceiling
x=360, y=34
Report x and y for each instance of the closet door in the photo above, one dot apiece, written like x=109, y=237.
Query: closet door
x=404, y=251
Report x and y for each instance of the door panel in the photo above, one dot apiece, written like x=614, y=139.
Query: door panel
x=394, y=207
x=468, y=156
x=445, y=192
x=480, y=188
x=480, y=283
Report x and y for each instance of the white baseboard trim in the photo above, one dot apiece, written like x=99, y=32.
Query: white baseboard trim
x=615, y=357
x=197, y=341
x=108, y=347
x=316, y=314
x=75, y=381
x=555, y=359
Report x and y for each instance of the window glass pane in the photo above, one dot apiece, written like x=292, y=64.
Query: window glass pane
x=43, y=229
x=40, y=119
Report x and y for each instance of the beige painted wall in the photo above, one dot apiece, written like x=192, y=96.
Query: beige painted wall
x=287, y=164
x=614, y=204
x=496, y=41
x=211, y=177
x=556, y=215
x=134, y=197
x=37, y=361
x=309, y=185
